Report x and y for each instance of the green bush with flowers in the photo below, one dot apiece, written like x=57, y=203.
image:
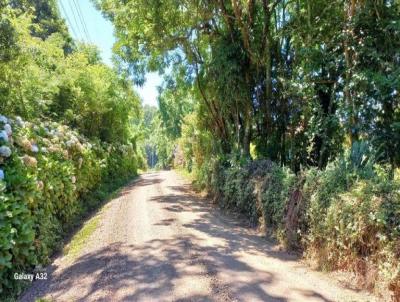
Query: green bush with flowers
x=49, y=176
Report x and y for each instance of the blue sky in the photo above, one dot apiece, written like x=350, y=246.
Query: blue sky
x=100, y=33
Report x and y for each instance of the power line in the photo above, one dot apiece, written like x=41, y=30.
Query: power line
x=66, y=16
x=82, y=20
x=76, y=22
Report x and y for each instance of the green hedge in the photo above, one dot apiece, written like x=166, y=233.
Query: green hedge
x=49, y=177
x=344, y=217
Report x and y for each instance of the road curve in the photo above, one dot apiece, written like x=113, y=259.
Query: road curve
x=158, y=241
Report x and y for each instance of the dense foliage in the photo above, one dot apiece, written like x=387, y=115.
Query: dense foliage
x=297, y=81
x=344, y=217
x=66, y=135
x=50, y=176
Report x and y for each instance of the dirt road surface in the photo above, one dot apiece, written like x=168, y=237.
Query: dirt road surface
x=158, y=241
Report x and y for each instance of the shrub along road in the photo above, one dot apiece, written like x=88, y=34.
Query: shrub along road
x=158, y=241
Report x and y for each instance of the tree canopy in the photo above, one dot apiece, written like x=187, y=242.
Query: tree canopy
x=298, y=80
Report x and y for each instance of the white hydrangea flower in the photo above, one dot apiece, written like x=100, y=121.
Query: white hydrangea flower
x=1, y=174
x=3, y=119
x=4, y=135
x=19, y=121
x=59, y=134
x=8, y=129
x=34, y=148
x=44, y=149
x=5, y=151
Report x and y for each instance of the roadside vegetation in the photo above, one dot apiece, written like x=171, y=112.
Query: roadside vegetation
x=66, y=135
x=287, y=111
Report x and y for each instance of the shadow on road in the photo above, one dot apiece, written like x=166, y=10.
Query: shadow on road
x=217, y=225
x=137, y=272
x=151, y=271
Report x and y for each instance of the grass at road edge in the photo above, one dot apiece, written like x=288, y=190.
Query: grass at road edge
x=185, y=174
x=73, y=249
x=78, y=241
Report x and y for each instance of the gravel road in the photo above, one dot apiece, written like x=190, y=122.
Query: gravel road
x=158, y=241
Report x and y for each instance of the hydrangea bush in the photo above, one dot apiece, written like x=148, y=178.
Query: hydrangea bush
x=49, y=176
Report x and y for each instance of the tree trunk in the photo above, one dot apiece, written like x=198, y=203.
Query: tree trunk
x=349, y=59
x=247, y=135
x=268, y=72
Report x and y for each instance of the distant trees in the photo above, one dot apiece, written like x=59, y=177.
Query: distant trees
x=154, y=139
